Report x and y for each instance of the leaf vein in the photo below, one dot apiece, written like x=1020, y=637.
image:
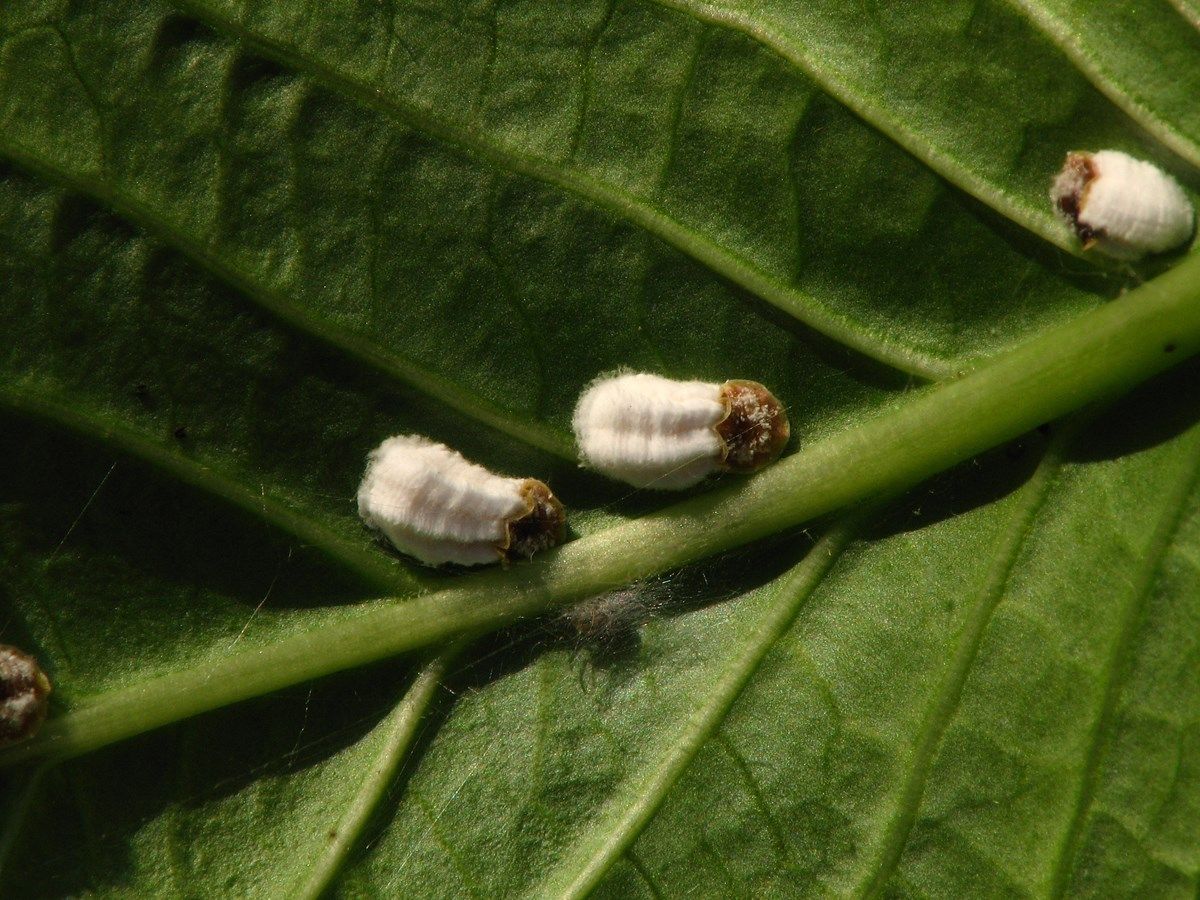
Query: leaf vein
x=1067, y=40
x=629, y=823
x=644, y=873
x=1094, y=356
x=1114, y=674
x=392, y=364
x=1189, y=13
x=402, y=727
x=374, y=567
x=450, y=853
x=756, y=794
x=949, y=694
x=876, y=115
x=722, y=261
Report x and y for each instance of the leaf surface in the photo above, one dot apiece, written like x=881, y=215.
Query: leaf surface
x=1139, y=56
x=240, y=243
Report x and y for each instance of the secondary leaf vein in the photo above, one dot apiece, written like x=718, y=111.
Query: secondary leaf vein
x=949, y=693
x=403, y=726
x=877, y=115
x=376, y=568
x=401, y=368
x=1069, y=40
x=1115, y=671
x=619, y=834
x=719, y=259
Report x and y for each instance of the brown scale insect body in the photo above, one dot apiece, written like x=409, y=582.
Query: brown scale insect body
x=755, y=430
x=24, y=694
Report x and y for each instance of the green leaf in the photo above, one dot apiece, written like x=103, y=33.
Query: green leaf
x=240, y=243
x=1139, y=56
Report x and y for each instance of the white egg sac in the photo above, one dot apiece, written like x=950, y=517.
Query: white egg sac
x=1120, y=205
x=651, y=431
x=24, y=693
x=433, y=504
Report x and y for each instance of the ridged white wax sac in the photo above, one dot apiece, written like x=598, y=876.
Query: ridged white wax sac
x=432, y=503
x=1123, y=206
x=651, y=431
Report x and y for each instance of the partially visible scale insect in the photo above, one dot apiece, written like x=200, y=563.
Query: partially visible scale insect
x=24, y=694
x=650, y=431
x=1122, y=206
x=433, y=504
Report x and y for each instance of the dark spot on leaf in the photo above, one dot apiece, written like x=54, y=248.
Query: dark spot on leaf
x=142, y=391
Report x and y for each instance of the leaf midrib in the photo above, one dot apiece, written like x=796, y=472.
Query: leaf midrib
x=1102, y=352
x=621, y=830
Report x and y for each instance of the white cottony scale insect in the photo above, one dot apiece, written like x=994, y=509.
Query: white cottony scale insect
x=1122, y=206
x=24, y=689
x=651, y=431
x=432, y=503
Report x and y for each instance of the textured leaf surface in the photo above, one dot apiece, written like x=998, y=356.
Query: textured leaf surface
x=1137, y=54
x=242, y=242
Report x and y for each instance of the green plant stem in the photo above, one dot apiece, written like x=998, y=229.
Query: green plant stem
x=1092, y=357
